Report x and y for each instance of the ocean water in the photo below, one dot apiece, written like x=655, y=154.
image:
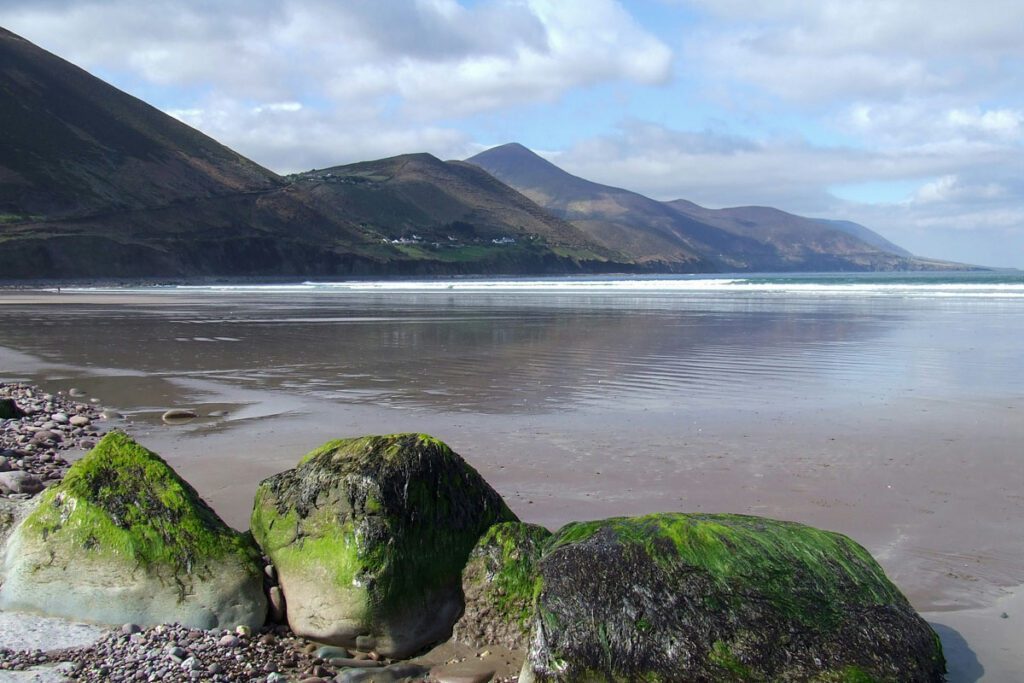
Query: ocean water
x=569, y=344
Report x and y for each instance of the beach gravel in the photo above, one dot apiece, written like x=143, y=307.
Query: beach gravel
x=36, y=428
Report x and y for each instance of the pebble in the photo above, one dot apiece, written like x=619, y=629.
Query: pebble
x=278, y=613
x=175, y=415
x=176, y=653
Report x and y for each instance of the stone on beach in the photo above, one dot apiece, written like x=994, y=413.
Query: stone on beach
x=19, y=482
x=123, y=539
x=179, y=415
x=720, y=597
x=9, y=410
x=498, y=585
x=369, y=537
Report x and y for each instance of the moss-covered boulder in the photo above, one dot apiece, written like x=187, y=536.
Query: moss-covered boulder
x=369, y=537
x=124, y=539
x=498, y=585
x=720, y=598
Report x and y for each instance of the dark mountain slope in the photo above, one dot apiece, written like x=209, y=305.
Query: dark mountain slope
x=71, y=145
x=417, y=199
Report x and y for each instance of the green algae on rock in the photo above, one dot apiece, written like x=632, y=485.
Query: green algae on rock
x=369, y=537
x=124, y=539
x=720, y=598
x=498, y=584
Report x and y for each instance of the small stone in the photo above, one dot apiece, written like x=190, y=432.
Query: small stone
x=270, y=572
x=228, y=640
x=177, y=415
x=79, y=421
x=1004, y=615
x=111, y=415
x=177, y=654
x=243, y=630
x=76, y=392
x=19, y=483
x=129, y=629
x=461, y=673
x=275, y=677
x=215, y=668
x=277, y=605
x=328, y=652
x=60, y=418
x=353, y=662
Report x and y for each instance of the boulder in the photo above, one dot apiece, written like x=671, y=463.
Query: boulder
x=720, y=598
x=123, y=539
x=9, y=410
x=19, y=482
x=369, y=537
x=498, y=584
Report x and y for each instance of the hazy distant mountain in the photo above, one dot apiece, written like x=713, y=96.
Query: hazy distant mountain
x=740, y=239
x=96, y=183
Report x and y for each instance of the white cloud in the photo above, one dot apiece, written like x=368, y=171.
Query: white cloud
x=366, y=75
x=814, y=51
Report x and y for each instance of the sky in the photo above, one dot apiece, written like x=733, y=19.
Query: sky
x=904, y=115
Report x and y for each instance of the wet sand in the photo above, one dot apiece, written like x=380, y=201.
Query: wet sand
x=835, y=418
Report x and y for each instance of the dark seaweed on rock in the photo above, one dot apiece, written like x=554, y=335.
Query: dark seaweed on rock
x=680, y=597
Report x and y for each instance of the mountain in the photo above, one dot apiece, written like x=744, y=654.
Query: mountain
x=681, y=234
x=95, y=183
x=441, y=209
x=73, y=145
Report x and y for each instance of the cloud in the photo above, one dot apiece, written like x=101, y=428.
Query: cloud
x=963, y=203
x=871, y=49
x=299, y=84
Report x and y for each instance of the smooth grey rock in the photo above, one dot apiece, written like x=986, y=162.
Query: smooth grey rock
x=60, y=418
x=19, y=482
x=228, y=640
x=79, y=421
x=175, y=415
x=332, y=652
x=117, y=554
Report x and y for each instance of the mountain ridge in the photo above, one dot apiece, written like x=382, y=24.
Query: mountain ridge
x=734, y=239
x=95, y=183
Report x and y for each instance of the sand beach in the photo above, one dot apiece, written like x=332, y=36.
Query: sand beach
x=893, y=419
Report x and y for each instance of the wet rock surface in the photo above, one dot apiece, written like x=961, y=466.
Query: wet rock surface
x=720, y=598
x=369, y=537
x=498, y=585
